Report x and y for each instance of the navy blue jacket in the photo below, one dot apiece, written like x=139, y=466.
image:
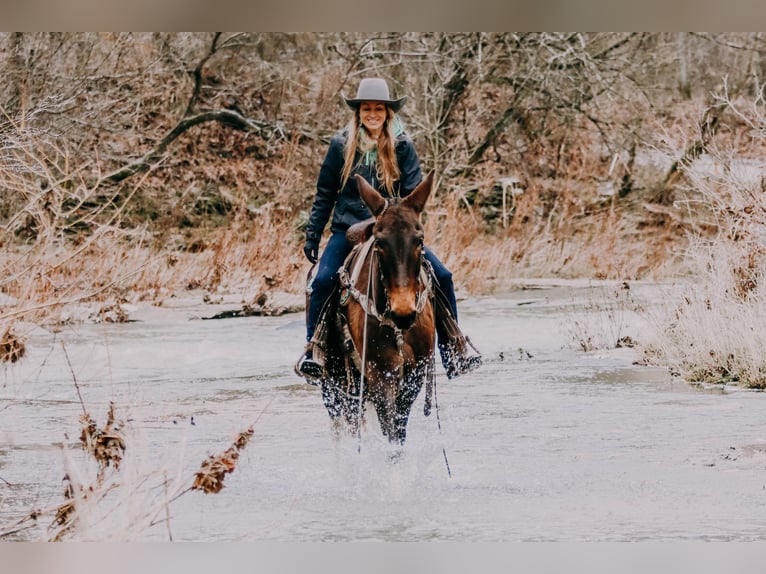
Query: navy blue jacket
x=347, y=205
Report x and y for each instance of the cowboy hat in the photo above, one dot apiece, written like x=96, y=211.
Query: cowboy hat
x=374, y=90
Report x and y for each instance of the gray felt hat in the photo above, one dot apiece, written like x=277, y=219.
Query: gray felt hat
x=374, y=90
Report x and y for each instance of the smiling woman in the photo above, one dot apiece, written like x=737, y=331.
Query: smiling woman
x=375, y=147
x=372, y=115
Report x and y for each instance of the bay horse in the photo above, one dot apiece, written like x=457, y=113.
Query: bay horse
x=381, y=335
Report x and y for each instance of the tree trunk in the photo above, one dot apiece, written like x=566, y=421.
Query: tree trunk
x=16, y=105
x=683, y=67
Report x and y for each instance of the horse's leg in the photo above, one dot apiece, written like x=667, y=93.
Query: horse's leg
x=351, y=413
x=331, y=399
x=400, y=419
x=404, y=401
x=385, y=407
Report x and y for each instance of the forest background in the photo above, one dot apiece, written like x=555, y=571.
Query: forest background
x=137, y=166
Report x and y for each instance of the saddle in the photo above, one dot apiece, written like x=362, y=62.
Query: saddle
x=360, y=232
x=331, y=317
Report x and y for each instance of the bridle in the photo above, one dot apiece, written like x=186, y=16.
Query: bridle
x=365, y=300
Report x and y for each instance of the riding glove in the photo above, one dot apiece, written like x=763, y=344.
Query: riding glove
x=311, y=249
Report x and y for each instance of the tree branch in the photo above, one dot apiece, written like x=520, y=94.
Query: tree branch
x=511, y=112
x=198, y=76
x=708, y=127
x=227, y=117
x=618, y=44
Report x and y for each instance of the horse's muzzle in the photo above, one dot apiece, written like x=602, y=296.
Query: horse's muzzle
x=404, y=321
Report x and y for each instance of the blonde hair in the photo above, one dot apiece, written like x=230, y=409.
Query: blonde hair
x=387, y=168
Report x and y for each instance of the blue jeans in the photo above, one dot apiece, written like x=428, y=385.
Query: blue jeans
x=326, y=278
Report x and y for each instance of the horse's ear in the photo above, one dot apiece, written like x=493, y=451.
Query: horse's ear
x=418, y=196
x=369, y=195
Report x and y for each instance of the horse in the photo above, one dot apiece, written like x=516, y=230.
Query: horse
x=381, y=329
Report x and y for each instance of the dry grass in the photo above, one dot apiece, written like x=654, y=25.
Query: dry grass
x=603, y=321
x=595, y=237
x=716, y=333
x=12, y=348
x=209, y=479
x=71, y=238
x=112, y=495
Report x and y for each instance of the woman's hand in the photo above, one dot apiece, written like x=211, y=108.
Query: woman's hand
x=311, y=249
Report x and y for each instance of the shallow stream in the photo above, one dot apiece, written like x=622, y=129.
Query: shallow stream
x=544, y=442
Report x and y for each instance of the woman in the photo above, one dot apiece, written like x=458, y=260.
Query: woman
x=374, y=145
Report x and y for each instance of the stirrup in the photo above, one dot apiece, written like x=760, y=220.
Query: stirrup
x=309, y=368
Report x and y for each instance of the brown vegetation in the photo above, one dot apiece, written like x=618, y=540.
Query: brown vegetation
x=135, y=165
x=101, y=508
x=12, y=348
x=209, y=479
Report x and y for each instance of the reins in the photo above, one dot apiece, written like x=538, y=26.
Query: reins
x=432, y=377
x=364, y=361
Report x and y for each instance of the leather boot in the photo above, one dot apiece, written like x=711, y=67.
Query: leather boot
x=311, y=364
x=459, y=357
x=458, y=354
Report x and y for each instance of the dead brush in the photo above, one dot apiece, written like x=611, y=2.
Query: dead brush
x=601, y=323
x=89, y=506
x=105, y=507
x=105, y=445
x=12, y=347
x=209, y=479
x=65, y=516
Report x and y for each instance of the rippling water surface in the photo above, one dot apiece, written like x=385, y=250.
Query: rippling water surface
x=544, y=442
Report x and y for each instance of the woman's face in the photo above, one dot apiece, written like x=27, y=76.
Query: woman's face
x=372, y=116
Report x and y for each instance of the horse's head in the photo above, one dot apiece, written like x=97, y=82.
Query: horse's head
x=399, y=247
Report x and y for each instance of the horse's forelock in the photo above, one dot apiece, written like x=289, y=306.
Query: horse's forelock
x=398, y=215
